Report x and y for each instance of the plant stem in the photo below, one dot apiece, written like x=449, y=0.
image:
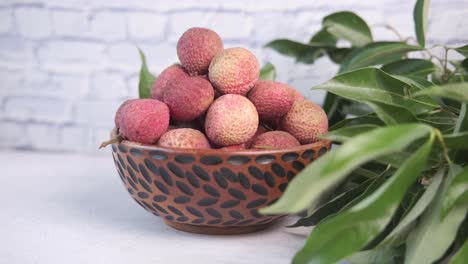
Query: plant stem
x=394, y=30
x=117, y=139
x=445, y=75
x=436, y=46
x=431, y=55
x=444, y=147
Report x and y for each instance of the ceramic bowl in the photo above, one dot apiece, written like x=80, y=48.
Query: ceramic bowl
x=210, y=191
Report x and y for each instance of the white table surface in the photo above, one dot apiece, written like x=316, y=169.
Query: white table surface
x=64, y=208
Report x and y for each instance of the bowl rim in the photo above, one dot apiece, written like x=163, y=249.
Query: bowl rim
x=148, y=147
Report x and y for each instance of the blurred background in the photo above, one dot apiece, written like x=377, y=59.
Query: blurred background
x=65, y=66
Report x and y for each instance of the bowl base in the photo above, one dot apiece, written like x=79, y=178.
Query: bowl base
x=217, y=230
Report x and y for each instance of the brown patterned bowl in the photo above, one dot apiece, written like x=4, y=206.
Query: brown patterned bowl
x=210, y=191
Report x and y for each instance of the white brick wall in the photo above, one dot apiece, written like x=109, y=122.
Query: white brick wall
x=65, y=66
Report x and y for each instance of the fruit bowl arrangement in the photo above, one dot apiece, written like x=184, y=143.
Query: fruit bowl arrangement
x=209, y=144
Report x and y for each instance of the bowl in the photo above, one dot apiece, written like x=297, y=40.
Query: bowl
x=210, y=191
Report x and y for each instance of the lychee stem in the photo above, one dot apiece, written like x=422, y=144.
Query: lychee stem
x=117, y=139
x=267, y=127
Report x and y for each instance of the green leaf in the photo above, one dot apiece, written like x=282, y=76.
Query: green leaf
x=364, y=172
x=348, y=26
x=333, y=206
x=398, y=158
x=454, y=91
x=376, y=53
x=434, y=234
x=412, y=67
x=390, y=114
x=412, y=196
x=376, y=183
x=268, y=72
x=305, y=53
x=335, y=107
x=464, y=65
x=328, y=41
x=463, y=50
x=442, y=120
x=376, y=256
x=420, y=13
x=462, y=122
x=358, y=109
x=374, y=85
x=461, y=67
x=461, y=255
x=338, y=55
x=457, y=192
x=456, y=78
x=462, y=237
x=360, y=120
x=418, y=83
x=349, y=231
x=330, y=169
x=460, y=133
x=457, y=141
x=323, y=37
x=146, y=78
x=399, y=233
x=346, y=133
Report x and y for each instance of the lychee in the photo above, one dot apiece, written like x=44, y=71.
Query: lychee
x=235, y=147
x=260, y=130
x=234, y=71
x=196, y=48
x=118, y=114
x=306, y=121
x=173, y=72
x=188, y=98
x=184, y=138
x=142, y=120
x=296, y=94
x=231, y=120
x=272, y=99
x=275, y=140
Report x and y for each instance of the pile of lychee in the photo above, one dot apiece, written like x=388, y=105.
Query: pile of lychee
x=214, y=99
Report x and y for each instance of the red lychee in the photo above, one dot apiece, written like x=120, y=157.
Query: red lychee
x=306, y=121
x=196, y=48
x=275, y=140
x=188, y=98
x=184, y=138
x=142, y=120
x=231, y=120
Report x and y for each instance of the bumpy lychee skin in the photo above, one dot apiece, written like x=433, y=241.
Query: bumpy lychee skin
x=260, y=130
x=275, y=140
x=231, y=120
x=296, y=94
x=306, y=121
x=188, y=98
x=272, y=99
x=118, y=114
x=196, y=48
x=174, y=72
x=234, y=71
x=142, y=120
x=184, y=138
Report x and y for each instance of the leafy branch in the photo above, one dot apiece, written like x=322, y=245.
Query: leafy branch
x=396, y=185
